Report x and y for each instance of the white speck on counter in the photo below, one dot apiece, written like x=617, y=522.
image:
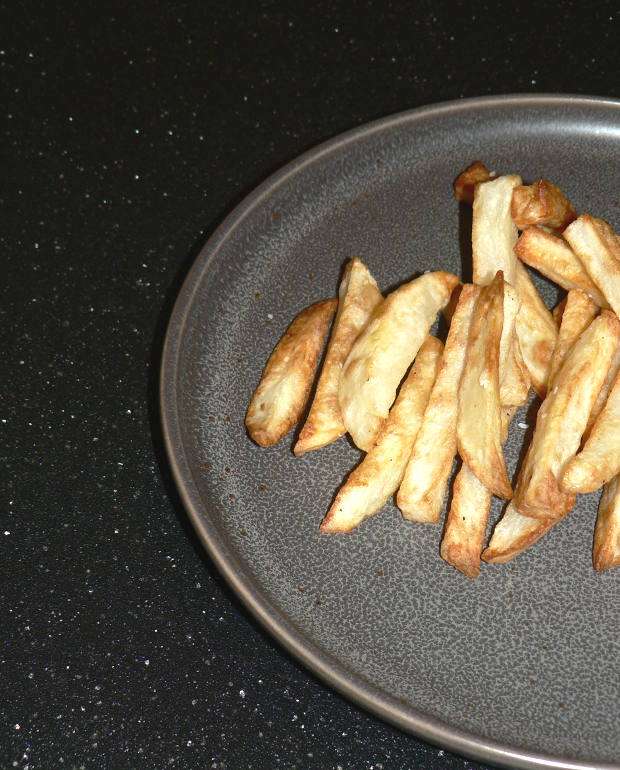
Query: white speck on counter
x=523, y=425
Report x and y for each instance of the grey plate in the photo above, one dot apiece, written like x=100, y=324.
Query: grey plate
x=517, y=668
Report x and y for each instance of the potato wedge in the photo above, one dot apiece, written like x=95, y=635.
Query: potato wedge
x=379, y=474
x=603, y=393
x=598, y=249
x=467, y=519
x=515, y=380
x=558, y=311
x=494, y=234
x=384, y=350
x=467, y=180
x=554, y=258
x=282, y=393
x=478, y=426
x=512, y=305
x=536, y=329
x=466, y=523
x=606, y=550
x=513, y=534
x=599, y=460
x=358, y=297
x=507, y=415
x=579, y=312
x=562, y=418
x=423, y=488
x=541, y=203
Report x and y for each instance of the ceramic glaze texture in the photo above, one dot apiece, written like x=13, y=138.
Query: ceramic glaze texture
x=526, y=656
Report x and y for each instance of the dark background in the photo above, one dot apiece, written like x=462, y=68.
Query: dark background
x=131, y=130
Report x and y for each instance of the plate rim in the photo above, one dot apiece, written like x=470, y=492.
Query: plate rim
x=305, y=650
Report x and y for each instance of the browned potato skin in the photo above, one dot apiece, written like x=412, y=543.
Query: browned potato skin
x=536, y=329
x=598, y=248
x=466, y=523
x=513, y=534
x=479, y=413
x=599, y=460
x=282, y=393
x=603, y=394
x=562, y=418
x=578, y=313
x=606, y=549
x=358, y=297
x=554, y=258
x=466, y=181
x=541, y=203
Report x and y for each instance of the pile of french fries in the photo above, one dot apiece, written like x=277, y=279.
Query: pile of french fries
x=412, y=402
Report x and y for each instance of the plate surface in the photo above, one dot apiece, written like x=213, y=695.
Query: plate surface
x=519, y=667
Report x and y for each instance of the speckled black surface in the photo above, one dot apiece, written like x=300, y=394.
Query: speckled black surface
x=129, y=133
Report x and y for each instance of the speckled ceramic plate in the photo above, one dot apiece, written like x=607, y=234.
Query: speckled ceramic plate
x=517, y=668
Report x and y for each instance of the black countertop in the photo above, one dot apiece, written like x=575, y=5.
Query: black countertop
x=130, y=131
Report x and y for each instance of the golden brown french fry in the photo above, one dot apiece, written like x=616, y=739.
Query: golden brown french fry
x=467, y=518
x=603, y=393
x=541, y=203
x=423, y=488
x=536, y=329
x=513, y=534
x=599, y=460
x=467, y=180
x=358, y=297
x=384, y=350
x=512, y=305
x=554, y=258
x=562, y=418
x=479, y=416
x=494, y=234
x=466, y=523
x=515, y=383
x=606, y=550
x=508, y=412
x=558, y=311
x=378, y=476
x=598, y=249
x=579, y=312
x=282, y=393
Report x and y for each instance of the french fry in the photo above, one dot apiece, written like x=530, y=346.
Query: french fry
x=467, y=180
x=554, y=258
x=507, y=415
x=536, y=330
x=562, y=418
x=603, y=393
x=282, y=393
x=466, y=523
x=541, y=203
x=515, y=381
x=598, y=249
x=494, y=234
x=512, y=305
x=606, y=550
x=423, y=488
x=358, y=297
x=558, y=311
x=378, y=476
x=579, y=312
x=384, y=350
x=599, y=460
x=479, y=415
x=513, y=534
